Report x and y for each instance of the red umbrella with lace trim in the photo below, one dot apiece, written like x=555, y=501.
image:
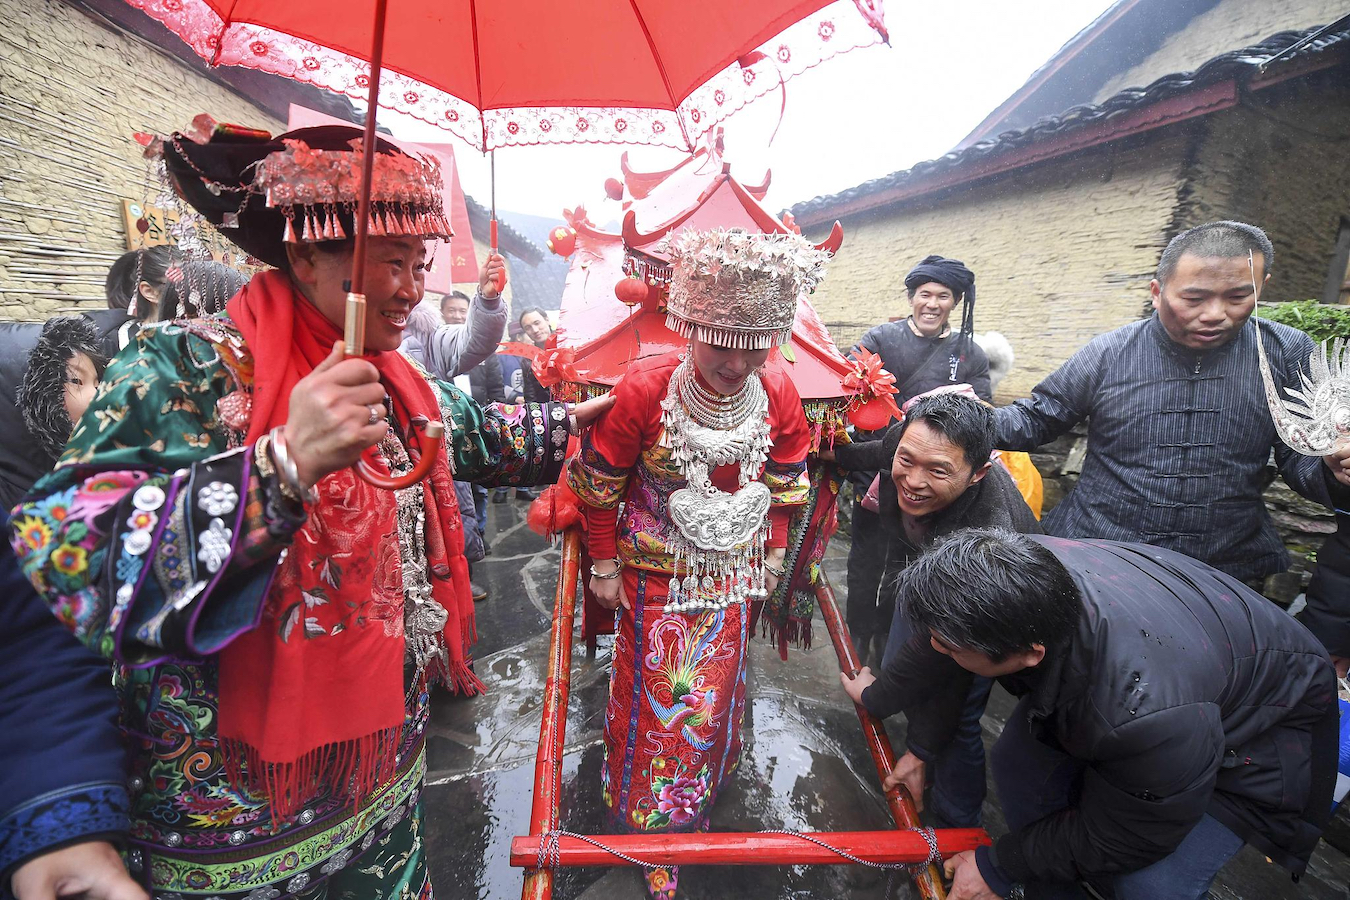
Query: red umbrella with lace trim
x=498, y=74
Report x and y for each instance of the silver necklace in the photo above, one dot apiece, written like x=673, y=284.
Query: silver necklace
x=718, y=554
x=719, y=411
x=423, y=616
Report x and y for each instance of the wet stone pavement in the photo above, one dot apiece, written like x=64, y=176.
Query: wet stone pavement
x=804, y=765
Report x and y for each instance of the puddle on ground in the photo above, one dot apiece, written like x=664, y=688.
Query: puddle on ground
x=803, y=767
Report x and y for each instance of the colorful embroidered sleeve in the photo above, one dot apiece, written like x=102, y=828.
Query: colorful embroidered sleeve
x=785, y=472
x=610, y=449
x=503, y=444
x=145, y=540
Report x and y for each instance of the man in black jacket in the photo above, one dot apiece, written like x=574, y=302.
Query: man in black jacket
x=1168, y=713
x=1327, y=614
x=923, y=352
x=939, y=480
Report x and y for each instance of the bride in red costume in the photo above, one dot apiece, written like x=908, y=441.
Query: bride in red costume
x=707, y=453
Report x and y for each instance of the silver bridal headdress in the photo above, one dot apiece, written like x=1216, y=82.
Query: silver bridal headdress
x=1313, y=420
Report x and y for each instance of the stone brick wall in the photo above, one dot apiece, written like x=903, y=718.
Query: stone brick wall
x=1228, y=25
x=1279, y=161
x=1062, y=251
x=72, y=92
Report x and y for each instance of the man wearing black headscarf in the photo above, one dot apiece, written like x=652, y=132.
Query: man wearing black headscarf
x=922, y=352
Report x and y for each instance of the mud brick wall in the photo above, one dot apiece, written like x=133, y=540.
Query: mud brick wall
x=1226, y=25
x=72, y=93
x=1061, y=252
x=1279, y=160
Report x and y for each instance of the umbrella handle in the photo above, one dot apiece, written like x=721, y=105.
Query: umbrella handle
x=429, y=438
x=498, y=281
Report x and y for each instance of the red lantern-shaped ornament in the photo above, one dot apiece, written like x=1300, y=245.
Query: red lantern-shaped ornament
x=873, y=415
x=631, y=291
x=562, y=240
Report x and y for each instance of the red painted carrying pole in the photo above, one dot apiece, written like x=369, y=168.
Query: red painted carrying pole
x=903, y=810
x=745, y=848
x=548, y=763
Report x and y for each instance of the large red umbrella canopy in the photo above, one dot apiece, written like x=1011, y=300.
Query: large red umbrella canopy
x=504, y=72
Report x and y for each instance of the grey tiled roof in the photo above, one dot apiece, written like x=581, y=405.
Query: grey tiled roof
x=511, y=240
x=1241, y=64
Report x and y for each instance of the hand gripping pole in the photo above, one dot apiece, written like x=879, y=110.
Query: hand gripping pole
x=428, y=436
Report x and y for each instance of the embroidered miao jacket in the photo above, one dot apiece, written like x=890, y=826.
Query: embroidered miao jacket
x=105, y=564
x=623, y=460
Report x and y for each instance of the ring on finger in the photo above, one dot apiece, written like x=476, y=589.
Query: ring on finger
x=374, y=415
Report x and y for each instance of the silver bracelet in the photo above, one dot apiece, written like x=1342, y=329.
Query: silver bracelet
x=286, y=467
x=606, y=576
x=776, y=573
x=572, y=427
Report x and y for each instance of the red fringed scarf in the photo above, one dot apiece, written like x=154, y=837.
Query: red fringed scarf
x=314, y=696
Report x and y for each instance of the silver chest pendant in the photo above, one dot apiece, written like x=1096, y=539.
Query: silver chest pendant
x=718, y=555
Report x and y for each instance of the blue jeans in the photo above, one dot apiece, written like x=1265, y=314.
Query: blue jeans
x=480, y=507
x=1034, y=780
x=958, y=771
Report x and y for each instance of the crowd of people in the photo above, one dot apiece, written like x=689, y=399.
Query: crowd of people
x=213, y=498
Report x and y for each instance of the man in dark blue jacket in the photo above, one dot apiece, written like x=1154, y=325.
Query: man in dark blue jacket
x=923, y=352
x=1168, y=713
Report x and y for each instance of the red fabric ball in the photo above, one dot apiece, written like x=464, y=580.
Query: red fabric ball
x=631, y=291
x=562, y=240
x=871, y=416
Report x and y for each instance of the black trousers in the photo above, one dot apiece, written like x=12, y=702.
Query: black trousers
x=869, y=608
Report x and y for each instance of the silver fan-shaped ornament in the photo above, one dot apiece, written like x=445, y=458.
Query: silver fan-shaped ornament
x=1313, y=420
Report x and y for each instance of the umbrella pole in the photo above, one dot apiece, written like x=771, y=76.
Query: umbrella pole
x=354, y=327
x=355, y=330
x=497, y=282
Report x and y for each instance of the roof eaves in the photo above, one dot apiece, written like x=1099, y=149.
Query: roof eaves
x=1072, y=48
x=512, y=241
x=1171, y=98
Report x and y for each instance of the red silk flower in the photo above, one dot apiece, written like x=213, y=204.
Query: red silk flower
x=551, y=365
x=870, y=388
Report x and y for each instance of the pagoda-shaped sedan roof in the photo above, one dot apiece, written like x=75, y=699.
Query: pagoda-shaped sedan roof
x=700, y=193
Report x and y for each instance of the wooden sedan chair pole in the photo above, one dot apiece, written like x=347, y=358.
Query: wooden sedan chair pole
x=898, y=799
x=547, y=848
x=428, y=435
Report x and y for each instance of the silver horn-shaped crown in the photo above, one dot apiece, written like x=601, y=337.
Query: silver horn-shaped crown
x=1314, y=421
x=735, y=288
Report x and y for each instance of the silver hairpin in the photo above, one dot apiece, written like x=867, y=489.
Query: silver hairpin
x=1315, y=420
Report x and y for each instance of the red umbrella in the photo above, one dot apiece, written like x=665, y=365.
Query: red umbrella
x=510, y=72
x=527, y=71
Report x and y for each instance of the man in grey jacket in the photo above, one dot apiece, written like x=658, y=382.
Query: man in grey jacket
x=450, y=350
x=1179, y=434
